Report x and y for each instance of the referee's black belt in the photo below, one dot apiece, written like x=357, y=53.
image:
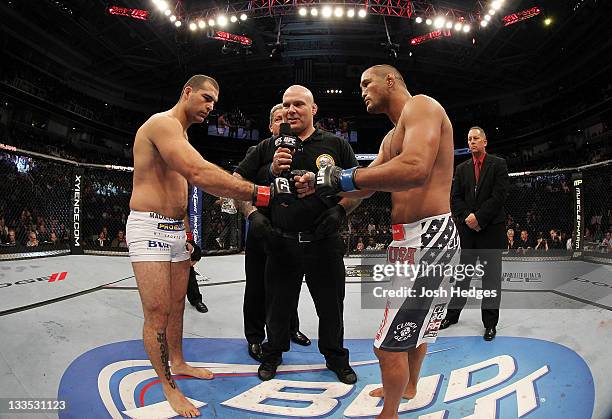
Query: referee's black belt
x=302, y=236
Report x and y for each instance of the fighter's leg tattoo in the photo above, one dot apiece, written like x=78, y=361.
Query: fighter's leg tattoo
x=163, y=348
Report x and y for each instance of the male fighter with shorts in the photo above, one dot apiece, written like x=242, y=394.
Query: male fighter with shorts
x=415, y=164
x=164, y=162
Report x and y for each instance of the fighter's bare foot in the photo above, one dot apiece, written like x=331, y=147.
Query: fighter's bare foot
x=180, y=404
x=410, y=393
x=186, y=369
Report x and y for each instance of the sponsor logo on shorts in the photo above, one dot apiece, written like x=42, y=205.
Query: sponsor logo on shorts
x=161, y=245
x=462, y=377
x=433, y=326
x=404, y=331
x=176, y=226
x=160, y=217
x=325, y=160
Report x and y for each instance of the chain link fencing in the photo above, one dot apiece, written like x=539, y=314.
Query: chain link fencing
x=52, y=206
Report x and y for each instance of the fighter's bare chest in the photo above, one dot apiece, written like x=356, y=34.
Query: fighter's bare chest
x=392, y=145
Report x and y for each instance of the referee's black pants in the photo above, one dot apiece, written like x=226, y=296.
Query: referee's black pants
x=254, y=304
x=322, y=263
x=486, y=246
x=194, y=295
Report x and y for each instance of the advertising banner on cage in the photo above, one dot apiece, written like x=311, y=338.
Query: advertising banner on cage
x=76, y=219
x=578, y=214
x=195, y=213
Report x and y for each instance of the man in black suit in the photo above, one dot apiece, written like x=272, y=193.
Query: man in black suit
x=480, y=189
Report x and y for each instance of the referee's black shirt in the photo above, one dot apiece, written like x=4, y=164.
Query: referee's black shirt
x=321, y=148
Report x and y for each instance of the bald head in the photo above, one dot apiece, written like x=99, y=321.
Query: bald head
x=385, y=70
x=299, y=110
x=299, y=90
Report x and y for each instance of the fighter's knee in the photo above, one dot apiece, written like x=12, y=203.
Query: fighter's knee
x=157, y=314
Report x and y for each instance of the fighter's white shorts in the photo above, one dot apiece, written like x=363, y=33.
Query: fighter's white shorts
x=152, y=237
x=433, y=242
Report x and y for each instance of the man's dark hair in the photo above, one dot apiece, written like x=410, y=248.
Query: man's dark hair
x=199, y=80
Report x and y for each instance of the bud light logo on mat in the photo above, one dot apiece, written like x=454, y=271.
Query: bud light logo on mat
x=462, y=377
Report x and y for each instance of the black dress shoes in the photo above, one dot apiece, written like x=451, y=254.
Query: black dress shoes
x=201, y=307
x=255, y=351
x=267, y=371
x=489, y=333
x=446, y=323
x=345, y=374
x=300, y=338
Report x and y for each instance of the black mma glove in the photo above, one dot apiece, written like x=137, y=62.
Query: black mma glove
x=259, y=225
x=330, y=221
x=279, y=190
x=332, y=180
x=196, y=253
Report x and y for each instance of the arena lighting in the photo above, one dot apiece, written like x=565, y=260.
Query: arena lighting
x=327, y=11
x=172, y=18
x=338, y=12
x=167, y=12
x=449, y=25
x=466, y=28
x=428, y=22
x=303, y=11
x=496, y=5
x=487, y=18
x=211, y=22
x=350, y=13
x=362, y=13
x=243, y=17
x=429, y=37
x=314, y=12
x=439, y=22
x=458, y=26
x=547, y=21
x=161, y=5
x=520, y=16
x=221, y=20
x=419, y=19
x=484, y=23
x=178, y=23
x=125, y=11
x=193, y=26
x=233, y=19
x=492, y=12
x=201, y=24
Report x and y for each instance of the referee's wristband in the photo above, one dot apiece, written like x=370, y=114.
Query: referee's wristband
x=347, y=179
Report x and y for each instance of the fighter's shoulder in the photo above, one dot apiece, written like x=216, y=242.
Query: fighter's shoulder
x=160, y=121
x=423, y=103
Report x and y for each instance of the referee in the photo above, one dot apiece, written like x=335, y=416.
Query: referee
x=254, y=307
x=305, y=240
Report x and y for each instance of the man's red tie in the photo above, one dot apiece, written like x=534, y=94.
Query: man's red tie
x=477, y=170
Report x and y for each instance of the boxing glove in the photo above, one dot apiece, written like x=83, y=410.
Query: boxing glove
x=332, y=180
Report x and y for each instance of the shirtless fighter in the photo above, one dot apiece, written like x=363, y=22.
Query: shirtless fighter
x=164, y=162
x=415, y=164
